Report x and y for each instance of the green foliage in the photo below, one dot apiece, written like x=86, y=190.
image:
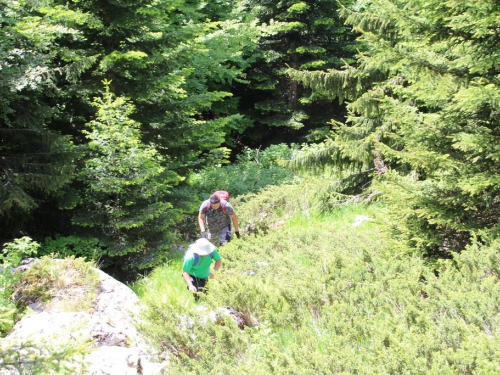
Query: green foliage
x=274, y=205
x=254, y=170
x=45, y=355
x=7, y=313
x=323, y=296
x=15, y=251
x=77, y=246
x=322, y=157
x=180, y=325
x=165, y=58
x=126, y=187
x=424, y=103
x=305, y=35
x=309, y=194
x=36, y=157
x=269, y=157
x=12, y=254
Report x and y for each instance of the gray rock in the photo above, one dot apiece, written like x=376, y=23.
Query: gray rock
x=118, y=348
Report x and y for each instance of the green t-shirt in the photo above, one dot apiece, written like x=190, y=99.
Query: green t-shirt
x=202, y=268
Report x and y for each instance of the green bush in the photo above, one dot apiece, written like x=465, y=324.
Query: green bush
x=15, y=251
x=269, y=157
x=254, y=170
x=45, y=355
x=274, y=205
x=173, y=320
x=81, y=247
x=321, y=296
x=12, y=254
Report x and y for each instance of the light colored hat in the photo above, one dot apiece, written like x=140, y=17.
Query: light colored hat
x=203, y=247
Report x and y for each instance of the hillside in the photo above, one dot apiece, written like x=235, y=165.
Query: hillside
x=301, y=293
x=359, y=141
x=321, y=295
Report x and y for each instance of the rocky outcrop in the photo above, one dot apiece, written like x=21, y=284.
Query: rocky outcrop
x=118, y=348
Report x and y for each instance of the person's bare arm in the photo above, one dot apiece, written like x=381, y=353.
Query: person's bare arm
x=234, y=219
x=217, y=266
x=201, y=222
x=187, y=279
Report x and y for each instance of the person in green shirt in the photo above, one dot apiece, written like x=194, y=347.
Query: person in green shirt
x=197, y=261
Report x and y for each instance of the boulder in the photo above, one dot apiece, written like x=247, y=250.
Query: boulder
x=117, y=346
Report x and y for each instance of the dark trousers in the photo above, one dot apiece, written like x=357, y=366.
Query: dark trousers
x=220, y=238
x=199, y=284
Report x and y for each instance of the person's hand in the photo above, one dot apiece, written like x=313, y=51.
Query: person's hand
x=204, y=234
x=211, y=275
x=237, y=234
x=193, y=289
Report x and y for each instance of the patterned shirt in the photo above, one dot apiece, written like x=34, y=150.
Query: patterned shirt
x=215, y=219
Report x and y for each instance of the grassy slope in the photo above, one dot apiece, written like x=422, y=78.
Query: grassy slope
x=332, y=298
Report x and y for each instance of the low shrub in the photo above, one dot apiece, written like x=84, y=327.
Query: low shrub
x=79, y=247
x=15, y=251
x=328, y=297
x=12, y=254
x=45, y=355
x=254, y=170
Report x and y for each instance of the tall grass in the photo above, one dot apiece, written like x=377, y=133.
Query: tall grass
x=321, y=296
x=165, y=283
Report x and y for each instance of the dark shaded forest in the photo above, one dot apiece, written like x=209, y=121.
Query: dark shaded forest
x=115, y=114
x=109, y=107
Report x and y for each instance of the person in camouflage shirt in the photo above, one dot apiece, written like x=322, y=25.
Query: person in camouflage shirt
x=215, y=223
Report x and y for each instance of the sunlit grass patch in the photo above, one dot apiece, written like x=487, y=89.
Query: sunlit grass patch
x=330, y=293
x=165, y=283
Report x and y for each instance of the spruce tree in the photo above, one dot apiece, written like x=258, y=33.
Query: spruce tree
x=164, y=57
x=35, y=158
x=125, y=188
x=304, y=35
x=425, y=102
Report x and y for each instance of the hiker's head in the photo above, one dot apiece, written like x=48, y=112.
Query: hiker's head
x=203, y=247
x=214, y=199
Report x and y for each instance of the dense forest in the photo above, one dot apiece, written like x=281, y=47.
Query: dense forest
x=110, y=108
x=116, y=117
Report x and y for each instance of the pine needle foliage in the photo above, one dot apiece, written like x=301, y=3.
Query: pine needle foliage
x=322, y=296
x=314, y=157
x=45, y=356
x=126, y=185
x=174, y=61
x=307, y=35
x=424, y=100
x=254, y=170
x=35, y=158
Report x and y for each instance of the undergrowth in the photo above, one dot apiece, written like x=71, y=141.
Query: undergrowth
x=320, y=295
